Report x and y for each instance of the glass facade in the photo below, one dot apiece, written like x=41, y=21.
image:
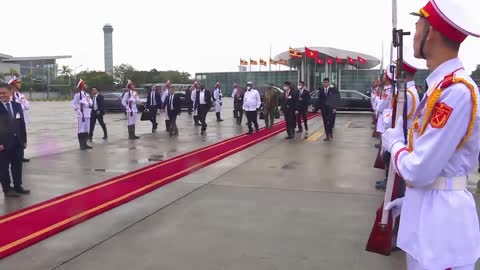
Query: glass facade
x=227, y=79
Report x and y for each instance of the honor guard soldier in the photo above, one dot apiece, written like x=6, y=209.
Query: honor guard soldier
x=384, y=101
x=234, y=92
x=20, y=98
x=81, y=104
x=193, y=97
x=439, y=228
x=217, y=97
x=129, y=101
x=410, y=66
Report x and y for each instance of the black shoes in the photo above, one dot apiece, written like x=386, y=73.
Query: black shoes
x=16, y=192
x=381, y=185
x=26, y=160
x=11, y=194
x=21, y=190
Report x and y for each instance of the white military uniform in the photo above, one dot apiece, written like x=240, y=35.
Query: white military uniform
x=81, y=104
x=382, y=103
x=412, y=105
x=20, y=99
x=193, y=97
x=129, y=101
x=439, y=226
x=217, y=95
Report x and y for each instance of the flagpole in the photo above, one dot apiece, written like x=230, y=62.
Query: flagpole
x=270, y=59
x=358, y=86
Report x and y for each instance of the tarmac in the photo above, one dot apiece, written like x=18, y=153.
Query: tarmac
x=281, y=204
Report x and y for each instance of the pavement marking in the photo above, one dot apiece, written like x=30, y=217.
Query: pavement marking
x=315, y=136
x=118, y=199
x=348, y=124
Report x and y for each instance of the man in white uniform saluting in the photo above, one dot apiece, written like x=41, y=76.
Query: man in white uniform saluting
x=439, y=227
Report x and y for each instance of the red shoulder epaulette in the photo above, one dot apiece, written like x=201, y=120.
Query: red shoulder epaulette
x=447, y=81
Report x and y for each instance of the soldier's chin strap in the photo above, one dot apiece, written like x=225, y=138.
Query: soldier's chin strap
x=422, y=44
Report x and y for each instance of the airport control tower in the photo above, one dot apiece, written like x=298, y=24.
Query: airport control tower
x=108, y=48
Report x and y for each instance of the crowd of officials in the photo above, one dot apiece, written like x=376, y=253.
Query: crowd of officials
x=89, y=107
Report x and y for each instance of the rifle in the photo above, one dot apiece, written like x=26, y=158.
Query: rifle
x=129, y=102
x=380, y=240
x=81, y=106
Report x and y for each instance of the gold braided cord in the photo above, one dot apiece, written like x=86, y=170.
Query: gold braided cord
x=432, y=101
x=474, y=110
x=414, y=103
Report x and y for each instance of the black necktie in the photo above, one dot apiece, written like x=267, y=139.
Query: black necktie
x=9, y=110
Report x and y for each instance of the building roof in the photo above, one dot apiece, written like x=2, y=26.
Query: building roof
x=35, y=58
x=372, y=61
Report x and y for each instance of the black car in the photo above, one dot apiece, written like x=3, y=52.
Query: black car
x=350, y=100
x=113, y=102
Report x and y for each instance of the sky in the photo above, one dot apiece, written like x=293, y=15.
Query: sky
x=207, y=35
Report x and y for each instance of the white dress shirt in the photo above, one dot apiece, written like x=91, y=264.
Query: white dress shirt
x=251, y=100
x=202, y=97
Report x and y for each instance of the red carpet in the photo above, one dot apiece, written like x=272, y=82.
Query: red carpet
x=28, y=226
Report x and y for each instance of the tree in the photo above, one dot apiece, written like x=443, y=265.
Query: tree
x=14, y=72
x=98, y=79
x=65, y=71
x=2, y=77
x=476, y=75
x=123, y=73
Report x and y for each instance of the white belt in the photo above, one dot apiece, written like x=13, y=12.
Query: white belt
x=450, y=183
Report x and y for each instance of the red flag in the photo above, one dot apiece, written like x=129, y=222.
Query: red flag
x=263, y=62
x=340, y=61
x=350, y=60
x=311, y=53
x=243, y=62
x=361, y=60
x=329, y=61
x=319, y=61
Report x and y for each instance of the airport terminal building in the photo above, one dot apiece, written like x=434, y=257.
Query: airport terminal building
x=345, y=71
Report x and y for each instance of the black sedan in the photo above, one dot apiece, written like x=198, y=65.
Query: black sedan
x=350, y=100
x=113, y=102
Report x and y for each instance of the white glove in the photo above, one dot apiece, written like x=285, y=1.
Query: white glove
x=79, y=113
x=128, y=109
x=395, y=206
x=391, y=136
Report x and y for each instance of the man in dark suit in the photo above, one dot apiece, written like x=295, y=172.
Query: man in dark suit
x=98, y=110
x=173, y=110
x=188, y=99
x=328, y=98
x=13, y=141
x=154, y=102
x=304, y=101
x=290, y=101
x=203, y=103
